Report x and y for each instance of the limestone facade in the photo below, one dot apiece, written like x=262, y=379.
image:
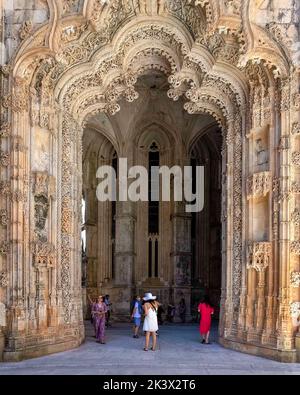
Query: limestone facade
x=85, y=82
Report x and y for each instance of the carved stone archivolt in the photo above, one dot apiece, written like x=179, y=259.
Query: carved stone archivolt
x=259, y=255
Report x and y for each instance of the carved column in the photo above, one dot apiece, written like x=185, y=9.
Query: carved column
x=18, y=266
x=124, y=257
x=285, y=339
x=181, y=254
x=124, y=249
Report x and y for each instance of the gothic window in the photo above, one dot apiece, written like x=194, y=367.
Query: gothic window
x=153, y=216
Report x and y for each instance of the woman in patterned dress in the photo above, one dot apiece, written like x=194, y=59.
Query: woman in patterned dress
x=99, y=312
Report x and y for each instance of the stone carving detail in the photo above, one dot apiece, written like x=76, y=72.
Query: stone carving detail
x=5, y=130
x=5, y=188
x=25, y=29
x=296, y=128
x=41, y=207
x=295, y=309
x=233, y=6
x=18, y=196
x=295, y=187
x=43, y=189
x=259, y=184
x=295, y=247
x=3, y=217
x=259, y=255
x=5, y=69
x=4, y=247
x=43, y=184
x=44, y=254
x=18, y=101
x=284, y=143
x=4, y=158
x=296, y=101
x=296, y=158
x=295, y=217
x=3, y=279
x=295, y=279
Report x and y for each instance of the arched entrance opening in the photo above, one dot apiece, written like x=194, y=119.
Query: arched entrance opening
x=170, y=250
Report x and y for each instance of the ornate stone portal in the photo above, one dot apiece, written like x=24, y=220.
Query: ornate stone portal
x=77, y=59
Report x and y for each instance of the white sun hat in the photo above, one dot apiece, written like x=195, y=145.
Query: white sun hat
x=149, y=296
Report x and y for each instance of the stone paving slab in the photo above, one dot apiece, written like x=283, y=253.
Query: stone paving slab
x=179, y=353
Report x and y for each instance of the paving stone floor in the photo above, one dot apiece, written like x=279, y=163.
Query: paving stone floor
x=179, y=352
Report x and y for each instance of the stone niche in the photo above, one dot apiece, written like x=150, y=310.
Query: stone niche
x=259, y=183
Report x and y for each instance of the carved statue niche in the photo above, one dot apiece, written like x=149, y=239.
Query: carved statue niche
x=261, y=154
x=41, y=208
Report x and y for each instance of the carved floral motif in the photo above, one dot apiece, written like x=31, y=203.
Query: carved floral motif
x=295, y=247
x=259, y=184
x=259, y=255
x=296, y=158
x=25, y=29
x=295, y=279
x=295, y=309
x=43, y=254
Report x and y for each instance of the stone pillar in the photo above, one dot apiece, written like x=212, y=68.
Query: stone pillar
x=182, y=257
x=285, y=336
x=124, y=259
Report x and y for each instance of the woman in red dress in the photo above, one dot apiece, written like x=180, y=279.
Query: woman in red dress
x=206, y=310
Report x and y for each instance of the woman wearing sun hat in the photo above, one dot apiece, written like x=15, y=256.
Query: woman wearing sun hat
x=150, y=323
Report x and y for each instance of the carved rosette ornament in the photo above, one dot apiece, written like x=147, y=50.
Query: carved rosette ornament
x=259, y=255
x=259, y=184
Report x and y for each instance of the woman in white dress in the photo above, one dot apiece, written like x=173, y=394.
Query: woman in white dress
x=150, y=323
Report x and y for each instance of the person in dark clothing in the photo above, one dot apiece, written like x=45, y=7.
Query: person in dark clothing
x=160, y=312
x=182, y=310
